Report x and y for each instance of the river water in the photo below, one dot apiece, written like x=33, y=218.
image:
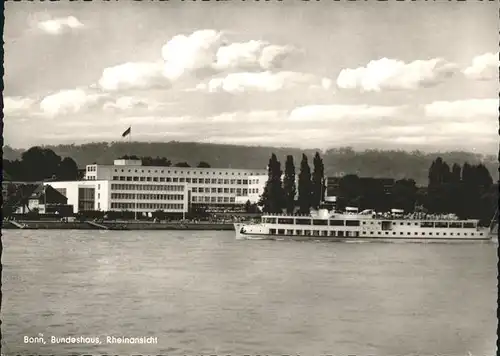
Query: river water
x=207, y=293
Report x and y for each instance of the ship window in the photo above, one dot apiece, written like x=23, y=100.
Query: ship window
x=416, y=224
x=409, y=223
x=315, y=233
x=468, y=225
x=465, y=234
x=307, y=232
x=336, y=222
x=332, y=233
x=394, y=233
x=364, y=222
x=285, y=221
x=352, y=223
x=387, y=232
x=380, y=233
x=298, y=232
x=324, y=233
x=401, y=223
x=458, y=234
x=427, y=224
x=423, y=233
x=371, y=232
x=401, y=233
x=281, y=231
x=455, y=224
x=303, y=221
x=444, y=233
x=272, y=231
x=481, y=233
x=451, y=233
x=441, y=224
x=430, y=233
x=437, y=233
x=320, y=222
x=341, y=233
x=289, y=232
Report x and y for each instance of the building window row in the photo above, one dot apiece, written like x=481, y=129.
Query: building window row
x=212, y=199
x=238, y=191
x=180, y=172
x=148, y=206
x=181, y=180
x=129, y=196
x=171, y=188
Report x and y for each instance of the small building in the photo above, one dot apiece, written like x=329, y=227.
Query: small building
x=40, y=199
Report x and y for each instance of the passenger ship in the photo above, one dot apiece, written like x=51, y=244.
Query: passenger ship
x=352, y=225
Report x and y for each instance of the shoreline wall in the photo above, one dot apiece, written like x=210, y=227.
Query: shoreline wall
x=115, y=225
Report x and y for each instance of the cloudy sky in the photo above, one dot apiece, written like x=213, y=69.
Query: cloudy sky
x=317, y=75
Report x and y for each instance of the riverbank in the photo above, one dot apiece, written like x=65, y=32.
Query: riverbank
x=113, y=225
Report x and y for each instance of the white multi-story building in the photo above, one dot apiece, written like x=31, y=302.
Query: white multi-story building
x=256, y=184
x=128, y=185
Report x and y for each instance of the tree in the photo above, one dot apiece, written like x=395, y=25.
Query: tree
x=289, y=189
x=304, y=199
x=251, y=208
x=456, y=172
x=350, y=191
x=247, y=205
x=158, y=161
x=484, y=179
x=182, y=164
x=318, y=181
x=67, y=170
x=404, y=195
x=39, y=163
x=272, y=199
x=203, y=164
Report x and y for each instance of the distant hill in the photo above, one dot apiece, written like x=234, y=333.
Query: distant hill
x=371, y=163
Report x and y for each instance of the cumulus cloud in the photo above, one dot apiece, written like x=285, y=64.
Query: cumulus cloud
x=466, y=109
x=72, y=101
x=189, y=53
x=252, y=54
x=60, y=25
x=14, y=105
x=484, y=67
x=336, y=112
x=198, y=55
x=133, y=75
x=392, y=74
x=263, y=81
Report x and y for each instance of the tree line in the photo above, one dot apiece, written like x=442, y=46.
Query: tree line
x=280, y=190
x=162, y=161
x=467, y=191
x=397, y=164
x=37, y=164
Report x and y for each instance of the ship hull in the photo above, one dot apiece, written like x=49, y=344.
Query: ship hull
x=259, y=232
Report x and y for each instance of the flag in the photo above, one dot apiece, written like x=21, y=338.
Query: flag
x=127, y=132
